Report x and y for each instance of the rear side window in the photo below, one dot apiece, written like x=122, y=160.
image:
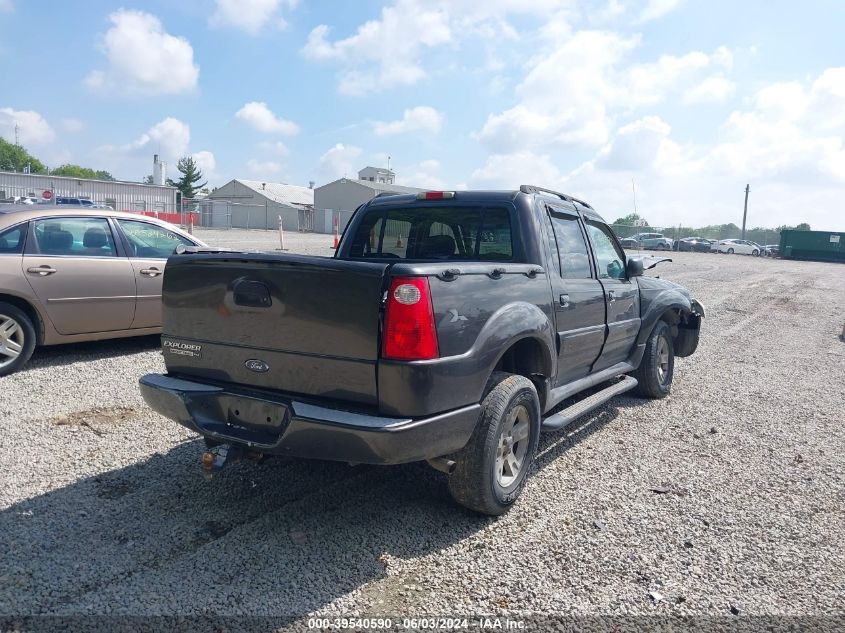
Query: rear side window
x=434, y=233
x=11, y=240
x=574, y=258
x=80, y=237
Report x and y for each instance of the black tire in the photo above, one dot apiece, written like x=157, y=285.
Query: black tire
x=20, y=333
x=755, y=252
x=730, y=251
x=654, y=376
x=477, y=482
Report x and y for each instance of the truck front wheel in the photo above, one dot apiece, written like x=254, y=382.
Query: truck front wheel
x=491, y=470
x=654, y=375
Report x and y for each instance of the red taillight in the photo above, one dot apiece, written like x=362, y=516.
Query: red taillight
x=435, y=195
x=409, y=331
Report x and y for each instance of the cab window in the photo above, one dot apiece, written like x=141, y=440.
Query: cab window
x=434, y=233
x=11, y=240
x=150, y=241
x=75, y=237
x=609, y=257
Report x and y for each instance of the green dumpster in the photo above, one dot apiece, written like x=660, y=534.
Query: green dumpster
x=823, y=246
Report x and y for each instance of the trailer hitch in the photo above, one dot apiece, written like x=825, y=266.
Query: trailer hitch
x=217, y=457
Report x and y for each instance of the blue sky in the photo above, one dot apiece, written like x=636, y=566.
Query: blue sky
x=690, y=99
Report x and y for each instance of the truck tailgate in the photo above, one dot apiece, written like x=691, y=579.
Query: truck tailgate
x=299, y=324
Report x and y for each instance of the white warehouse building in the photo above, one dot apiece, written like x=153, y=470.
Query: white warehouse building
x=119, y=195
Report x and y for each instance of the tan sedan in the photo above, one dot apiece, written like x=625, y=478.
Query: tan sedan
x=70, y=274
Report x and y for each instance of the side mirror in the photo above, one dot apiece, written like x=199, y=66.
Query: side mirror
x=634, y=268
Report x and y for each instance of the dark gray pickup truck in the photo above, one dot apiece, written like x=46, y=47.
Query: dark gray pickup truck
x=450, y=327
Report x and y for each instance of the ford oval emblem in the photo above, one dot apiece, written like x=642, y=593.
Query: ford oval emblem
x=258, y=366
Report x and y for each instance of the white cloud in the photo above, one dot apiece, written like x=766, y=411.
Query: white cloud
x=656, y=9
x=391, y=46
x=340, y=161
x=250, y=16
x=791, y=154
x=276, y=147
x=265, y=168
x=712, y=90
x=69, y=124
x=32, y=127
x=418, y=119
x=572, y=93
x=169, y=138
x=388, y=51
x=143, y=58
x=259, y=116
x=564, y=97
x=509, y=171
x=207, y=163
x=425, y=174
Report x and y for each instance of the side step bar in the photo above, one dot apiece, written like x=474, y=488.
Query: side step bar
x=570, y=414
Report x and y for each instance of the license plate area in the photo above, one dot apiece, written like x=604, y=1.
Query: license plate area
x=241, y=418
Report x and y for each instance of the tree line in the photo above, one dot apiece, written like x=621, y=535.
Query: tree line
x=17, y=158
x=759, y=234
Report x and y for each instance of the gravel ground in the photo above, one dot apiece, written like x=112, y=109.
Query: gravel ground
x=726, y=497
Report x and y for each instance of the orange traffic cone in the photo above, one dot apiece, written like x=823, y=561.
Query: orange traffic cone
x=335, y=241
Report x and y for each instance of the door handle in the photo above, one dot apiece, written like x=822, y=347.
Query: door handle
x=41, y=271
x=151, y=272
x=564, y=301
x=611, y=296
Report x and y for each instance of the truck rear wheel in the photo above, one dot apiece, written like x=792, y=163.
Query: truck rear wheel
x=491, y=470
x=654, y=375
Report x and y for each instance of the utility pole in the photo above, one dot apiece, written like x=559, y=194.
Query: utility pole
x=634, y=189
x=745, y=211
x=17, y=129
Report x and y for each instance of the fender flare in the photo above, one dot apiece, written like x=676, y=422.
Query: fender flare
x=508, y=326
x=660, y=304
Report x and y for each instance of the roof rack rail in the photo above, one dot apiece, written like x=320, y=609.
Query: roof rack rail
x=562, y=196
x=388, y=193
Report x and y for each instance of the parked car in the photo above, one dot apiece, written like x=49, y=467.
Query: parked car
x=20, y=200
x=741, y=247
x=71, y=273
x=774, y=249
x=762, y=251
x=697, y=244
x=654, y=241
x=79, y=202
x=628, y=243
x=453, y=345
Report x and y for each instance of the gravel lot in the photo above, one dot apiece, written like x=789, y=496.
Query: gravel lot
x=726, y=497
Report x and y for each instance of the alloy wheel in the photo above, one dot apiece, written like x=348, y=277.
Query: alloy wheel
x=512, y=446
x=662, y=360
x=11, y=340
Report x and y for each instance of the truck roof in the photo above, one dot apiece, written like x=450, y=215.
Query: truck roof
x=490, y=196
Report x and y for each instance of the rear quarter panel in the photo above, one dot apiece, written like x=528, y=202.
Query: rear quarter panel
x=478, y=319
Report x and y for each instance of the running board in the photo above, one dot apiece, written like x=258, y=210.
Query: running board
x=570, y=414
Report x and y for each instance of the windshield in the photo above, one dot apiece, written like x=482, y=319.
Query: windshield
x=434, y=233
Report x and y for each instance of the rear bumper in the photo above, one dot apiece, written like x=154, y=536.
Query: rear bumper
x=281, y=425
